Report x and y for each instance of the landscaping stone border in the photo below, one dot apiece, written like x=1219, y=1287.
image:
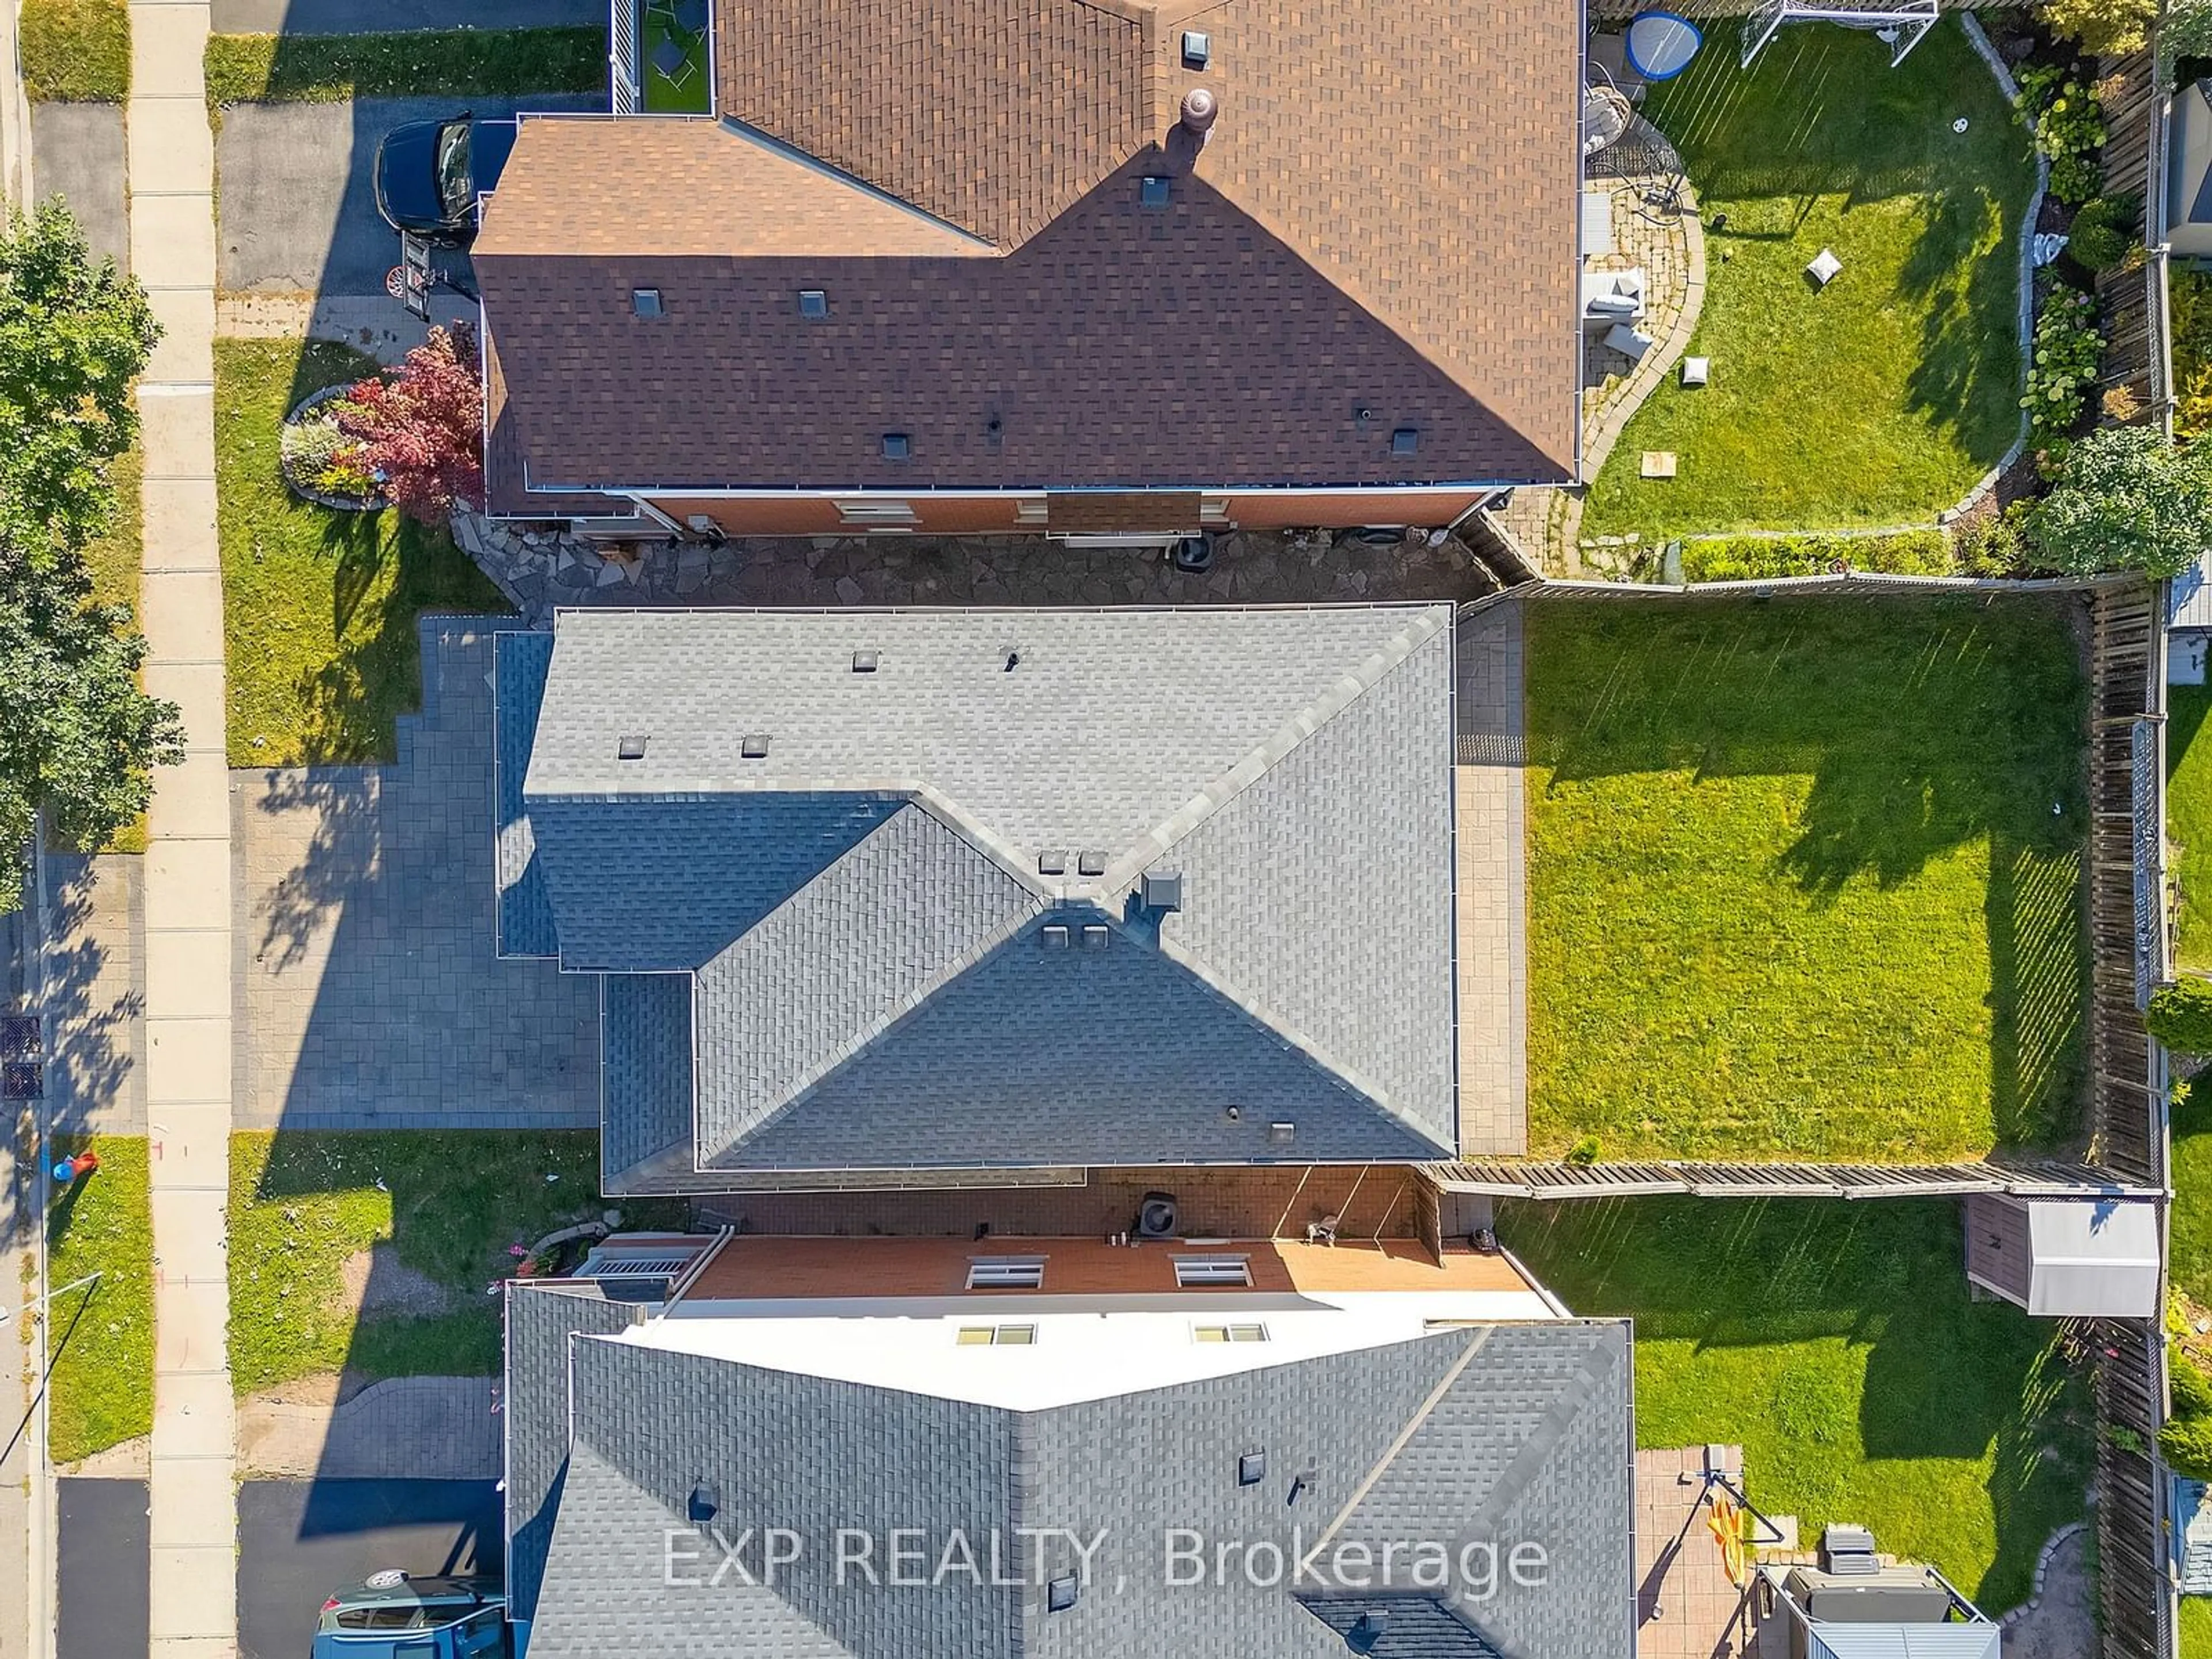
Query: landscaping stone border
x=1988, y=54
x=313, y=401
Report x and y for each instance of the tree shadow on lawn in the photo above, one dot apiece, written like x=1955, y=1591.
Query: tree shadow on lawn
x=1969, y=300
x=1944, y=1377
x=1924, y=725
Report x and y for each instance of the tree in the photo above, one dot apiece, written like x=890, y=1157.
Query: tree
x=421, y=433
x=78, y=738
x=2127, y=500
x=2103, y=28
x=73, y=336
x=2180, y=1017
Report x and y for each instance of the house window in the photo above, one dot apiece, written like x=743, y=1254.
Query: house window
x=1229, y=1332
x=1006, y=1272
x=996, y=1336
x=876, y=510
x=1212, y=1270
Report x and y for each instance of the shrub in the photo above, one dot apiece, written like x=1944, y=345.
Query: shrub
x=2180, y=1017
x=2190, y=1388
x=2184, y=31
x=2188, y=303
x=1752, y=558
x=2185, y=1443
x=2069, y=129
x=1991, y=544
x=421, y=433
x=2062, y=362
x=2106, y=28
x=2106, y=230
x=2127, y=500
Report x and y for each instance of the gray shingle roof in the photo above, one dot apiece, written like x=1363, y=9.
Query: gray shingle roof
x=645, y=1069
x=525, y=913
x=854, y=903
x=534, y=1415
x=785, y=1449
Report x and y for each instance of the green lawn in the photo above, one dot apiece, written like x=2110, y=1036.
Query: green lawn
x=2196, y=1628
x=1796, y=887
x=102, y=1392
x=409, y=63
x=1882, y=399
x=451, y=1203
x=2189, y=817
x=319, y=606
x=1835, y=1343
x=76, y=49
x=662, y=95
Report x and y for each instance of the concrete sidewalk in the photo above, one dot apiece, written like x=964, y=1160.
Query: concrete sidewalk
x=192, y=1570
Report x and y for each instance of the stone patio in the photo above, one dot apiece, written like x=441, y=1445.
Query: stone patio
x=538, y=568
x=1686, y=1609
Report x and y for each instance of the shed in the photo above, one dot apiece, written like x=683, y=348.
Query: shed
x=1904, y=1642
x=2066, y=1258
x=2189, y=172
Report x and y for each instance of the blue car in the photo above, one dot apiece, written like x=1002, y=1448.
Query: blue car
x=391, y=1616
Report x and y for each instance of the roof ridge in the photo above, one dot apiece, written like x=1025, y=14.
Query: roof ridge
x=1422, y=628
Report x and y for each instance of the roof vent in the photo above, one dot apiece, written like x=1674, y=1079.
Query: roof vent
x=863, y=662
x=1368, y=1630
x=753, y=745
x=1162, y=889
x=897, y=446
x=1055, y=936
x=1060, y=1593
x=1052, y=861
x=631, y=747
x=1095, y=935
x=1091, y=861
x=1197, y=49
x=1405, y=440
x=813, y=304
x=1251, y=1468
x=645, y=301
x=1153, y=191
x=1198, y=111
x=706, y=1502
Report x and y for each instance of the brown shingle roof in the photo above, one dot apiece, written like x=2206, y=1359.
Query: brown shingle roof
x=1383, y=221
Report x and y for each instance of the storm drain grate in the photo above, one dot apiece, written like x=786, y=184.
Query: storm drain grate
x=22, y=1079
x=19, y=1036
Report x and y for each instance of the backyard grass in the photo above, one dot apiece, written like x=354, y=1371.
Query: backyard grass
x=319, y=606
x=1836, y=1345
x=1882, y=398
x=2196, y=1628
x=450, y=1203
x=102, y=1390
x=75, y=50
x=1796, y=884
x=2189, y=817
x=409, y=64
x=663, y=96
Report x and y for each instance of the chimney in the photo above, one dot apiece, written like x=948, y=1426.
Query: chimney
x=1199, y=110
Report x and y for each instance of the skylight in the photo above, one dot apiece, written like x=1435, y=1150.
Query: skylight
x=1229, y=1332
x=996, y=1336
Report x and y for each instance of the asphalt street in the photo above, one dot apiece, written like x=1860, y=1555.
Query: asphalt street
x=299, y=1539
x=101, y=1612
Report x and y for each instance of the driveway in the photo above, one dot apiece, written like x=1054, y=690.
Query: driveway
x=363, y=16
x=370, y=995
x=299, y=1539
x=298, y=203
x=102, y=1578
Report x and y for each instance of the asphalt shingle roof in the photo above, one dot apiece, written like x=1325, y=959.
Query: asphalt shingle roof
x=790, y=1449
x=1362, y=230
x=862, y=906
x=526, y=915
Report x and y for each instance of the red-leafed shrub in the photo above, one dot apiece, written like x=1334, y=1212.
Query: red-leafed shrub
x=421, y=433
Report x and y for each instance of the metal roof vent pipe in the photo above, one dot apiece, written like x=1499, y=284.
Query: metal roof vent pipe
x=1199, y=110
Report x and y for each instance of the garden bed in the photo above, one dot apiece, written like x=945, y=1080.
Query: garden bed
x=1796, y=888
x=1882, y=399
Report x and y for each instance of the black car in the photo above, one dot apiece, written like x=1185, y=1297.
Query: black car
x=429, y=175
